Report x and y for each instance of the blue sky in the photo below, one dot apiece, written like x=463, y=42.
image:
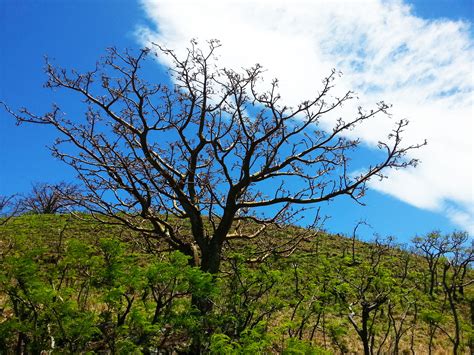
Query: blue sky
x=76, y=33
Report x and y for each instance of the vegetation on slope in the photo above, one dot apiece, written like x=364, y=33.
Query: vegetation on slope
x=69, y=285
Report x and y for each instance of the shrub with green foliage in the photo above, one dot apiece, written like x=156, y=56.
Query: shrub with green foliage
x=74, y=286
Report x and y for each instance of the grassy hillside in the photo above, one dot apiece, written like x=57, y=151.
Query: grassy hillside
x=75, y=286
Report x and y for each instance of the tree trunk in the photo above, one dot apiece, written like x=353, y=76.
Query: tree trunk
x=471, y=340
x=210, y=263
x=364, y=334
x=457, y=326
x=20, y=342
x=412, y=340
x=450, y=290
x=432, y=281
x=430, y=342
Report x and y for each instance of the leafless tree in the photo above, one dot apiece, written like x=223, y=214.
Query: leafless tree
x=354, y=238
x=432, y=248
x=50, y=199
x=8, y=208
x=5, y=201
x=212, y=149
x=368, y=295
x=459, y=257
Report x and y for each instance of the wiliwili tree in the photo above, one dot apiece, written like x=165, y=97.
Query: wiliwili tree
x=212, y=149
x=459, y=260
x=367, y=293
x=8, y=207
x=50, y=198
x=432, y=247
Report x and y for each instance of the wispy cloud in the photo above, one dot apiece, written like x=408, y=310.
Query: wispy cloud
x=423, y=67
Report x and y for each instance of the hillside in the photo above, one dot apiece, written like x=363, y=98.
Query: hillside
x=75, y=286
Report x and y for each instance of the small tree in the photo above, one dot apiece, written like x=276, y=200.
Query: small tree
x=50, y=199
x=365, y=290
x=212, y=150
x=9, y=207
x=432, y=248
x=459, y=257
x=450, y=256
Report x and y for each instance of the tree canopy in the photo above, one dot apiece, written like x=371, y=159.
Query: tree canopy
x=212, y=149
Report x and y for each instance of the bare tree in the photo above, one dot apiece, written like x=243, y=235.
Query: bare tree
x=8, y=208
x=5, y=202
x=354, y=238
x=432, y=248
x=212, y=150
x=367, y=294
x=50, y=199
x=459, y=257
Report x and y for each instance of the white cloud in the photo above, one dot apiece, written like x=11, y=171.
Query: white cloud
x=423, y=67
x=462, y=218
